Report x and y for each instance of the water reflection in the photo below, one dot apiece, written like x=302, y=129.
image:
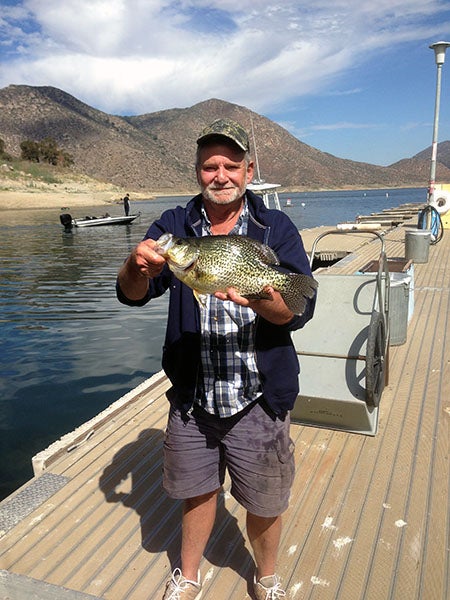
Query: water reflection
x=68, y=347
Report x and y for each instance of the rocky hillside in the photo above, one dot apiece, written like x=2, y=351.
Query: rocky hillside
x=443, y=154
x=155, y=152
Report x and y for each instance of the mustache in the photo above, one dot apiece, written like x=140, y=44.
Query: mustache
x=221, y=187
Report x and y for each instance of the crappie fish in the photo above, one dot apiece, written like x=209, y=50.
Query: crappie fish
x=214, y=263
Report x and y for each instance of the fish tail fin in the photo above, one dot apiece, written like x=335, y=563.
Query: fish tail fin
x=298, y=288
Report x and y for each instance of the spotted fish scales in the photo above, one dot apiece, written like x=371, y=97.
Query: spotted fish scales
x=212, y=264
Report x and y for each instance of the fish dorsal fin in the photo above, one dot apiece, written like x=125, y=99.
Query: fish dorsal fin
x=263, y=252
x=269, y=255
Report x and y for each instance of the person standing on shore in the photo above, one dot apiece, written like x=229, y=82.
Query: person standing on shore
x=231, y=363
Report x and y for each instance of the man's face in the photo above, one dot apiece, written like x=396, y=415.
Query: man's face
x=223, y=173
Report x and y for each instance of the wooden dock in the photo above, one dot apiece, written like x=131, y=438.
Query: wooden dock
x=368, y=517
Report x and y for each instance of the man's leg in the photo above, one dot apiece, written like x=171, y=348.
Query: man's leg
x=264, y=534
x=198, y=520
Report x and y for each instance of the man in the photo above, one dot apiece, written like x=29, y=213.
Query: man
x=126, y=204
x=233, y=369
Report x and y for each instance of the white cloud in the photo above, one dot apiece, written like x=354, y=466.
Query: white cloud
x=138, y=56
x=305, y=132
x=343, y=125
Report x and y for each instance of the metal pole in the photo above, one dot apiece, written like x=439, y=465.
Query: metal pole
x=435, y=132
x=439, y=54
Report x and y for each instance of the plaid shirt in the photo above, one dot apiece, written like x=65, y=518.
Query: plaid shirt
x=229, y=379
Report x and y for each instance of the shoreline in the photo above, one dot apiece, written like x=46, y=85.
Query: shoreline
x=72, y=199
x=64, y=198
x=45, y=200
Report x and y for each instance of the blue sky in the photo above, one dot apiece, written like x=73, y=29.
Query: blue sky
x=354, y=78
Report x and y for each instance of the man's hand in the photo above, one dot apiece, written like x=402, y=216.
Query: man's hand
x=273, y=310
x=143, y=264
x=145, y=261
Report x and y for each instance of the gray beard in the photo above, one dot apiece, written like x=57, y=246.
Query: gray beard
x=208, y=194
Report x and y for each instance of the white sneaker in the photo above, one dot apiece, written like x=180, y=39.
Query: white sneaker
x=268, y=588
x=180, y=588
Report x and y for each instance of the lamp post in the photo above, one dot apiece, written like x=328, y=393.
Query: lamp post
x=439, y=54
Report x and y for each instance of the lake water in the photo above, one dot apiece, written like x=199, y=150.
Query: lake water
x=68, y=348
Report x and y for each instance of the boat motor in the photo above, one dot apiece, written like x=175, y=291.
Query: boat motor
x=66, y=221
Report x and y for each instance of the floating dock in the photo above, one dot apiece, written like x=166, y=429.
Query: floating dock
x=368, y=517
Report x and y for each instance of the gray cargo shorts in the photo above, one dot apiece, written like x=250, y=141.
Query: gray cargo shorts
x=253, y=445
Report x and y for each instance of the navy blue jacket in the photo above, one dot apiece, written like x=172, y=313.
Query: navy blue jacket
x=276, y=359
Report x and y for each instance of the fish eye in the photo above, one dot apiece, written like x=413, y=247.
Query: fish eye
x=178, y=242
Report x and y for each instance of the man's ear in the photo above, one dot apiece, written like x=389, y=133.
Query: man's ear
x=250, y=171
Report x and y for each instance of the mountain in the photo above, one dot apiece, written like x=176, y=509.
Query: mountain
x=155, y=152
x=443, y=154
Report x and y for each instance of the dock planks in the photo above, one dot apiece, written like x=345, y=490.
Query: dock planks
x=368, y=518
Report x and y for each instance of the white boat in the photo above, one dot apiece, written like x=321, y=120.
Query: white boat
x=68, y=222
x=267, y=191
x=259, y=186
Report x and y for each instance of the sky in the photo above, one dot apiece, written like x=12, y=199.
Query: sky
x=355, y=78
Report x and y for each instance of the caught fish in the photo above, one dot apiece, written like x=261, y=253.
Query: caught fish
x=214, y=263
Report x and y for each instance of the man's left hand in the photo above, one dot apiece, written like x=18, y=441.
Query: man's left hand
x=272, y=309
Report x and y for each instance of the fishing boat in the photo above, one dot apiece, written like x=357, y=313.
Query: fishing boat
x=368, y=516
x=68, y=222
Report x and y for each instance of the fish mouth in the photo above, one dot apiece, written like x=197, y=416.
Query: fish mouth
x=163, y=247
x=164, y=243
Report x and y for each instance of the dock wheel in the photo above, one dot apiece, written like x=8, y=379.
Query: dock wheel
x=375, y=359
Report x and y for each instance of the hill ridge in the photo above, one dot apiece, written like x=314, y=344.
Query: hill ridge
x=156, y=151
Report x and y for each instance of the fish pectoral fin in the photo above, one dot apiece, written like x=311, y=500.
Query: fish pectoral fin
x=201, y=298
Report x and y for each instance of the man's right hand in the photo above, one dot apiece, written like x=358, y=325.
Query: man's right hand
x=142, y=264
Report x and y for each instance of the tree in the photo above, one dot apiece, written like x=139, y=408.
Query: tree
x=46, y=151
x=30, y=150
x=4, y=155
x=65, y=158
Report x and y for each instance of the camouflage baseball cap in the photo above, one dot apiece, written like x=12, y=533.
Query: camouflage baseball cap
x=225, y=128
